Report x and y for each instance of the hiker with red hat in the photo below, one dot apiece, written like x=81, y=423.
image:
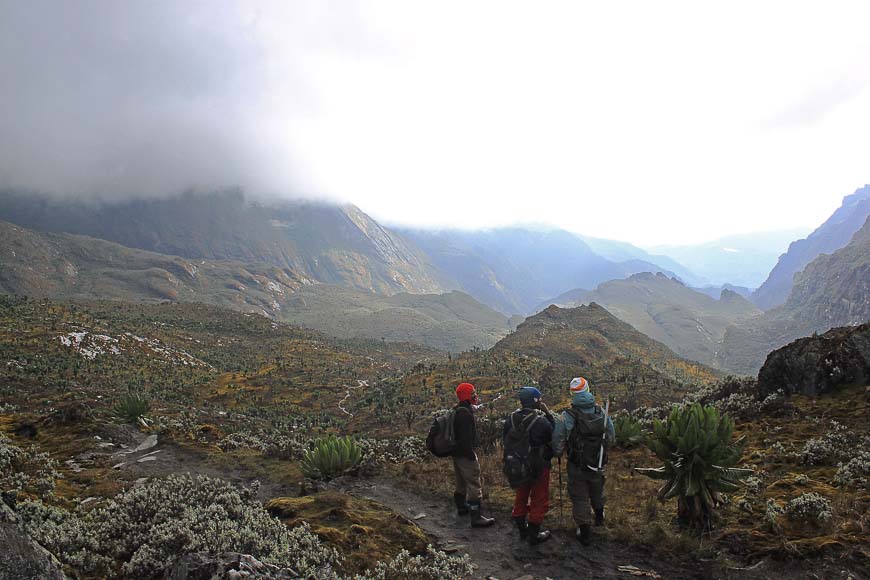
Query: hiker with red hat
x=466, y=467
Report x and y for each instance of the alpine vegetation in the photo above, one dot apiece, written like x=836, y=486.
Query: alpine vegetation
x=331, y=457
x=131, y=407
x=695, y=444
x=810, y=508
x=25, y=471
x=628, y=431
x=142, y=531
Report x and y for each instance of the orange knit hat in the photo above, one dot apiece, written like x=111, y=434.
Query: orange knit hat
x=578, y=385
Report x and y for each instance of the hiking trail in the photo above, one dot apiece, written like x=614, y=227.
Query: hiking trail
x=496, y=552
x=360, y=385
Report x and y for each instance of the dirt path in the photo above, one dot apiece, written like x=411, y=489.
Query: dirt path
x=360, y=385
x=497, y=551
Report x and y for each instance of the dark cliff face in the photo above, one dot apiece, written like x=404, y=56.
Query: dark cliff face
x=832, y=235
x=819, y=364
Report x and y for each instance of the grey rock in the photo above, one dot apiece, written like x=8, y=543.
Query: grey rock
x=24, y=559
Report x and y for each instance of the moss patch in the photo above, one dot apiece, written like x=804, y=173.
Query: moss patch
x=365, y=531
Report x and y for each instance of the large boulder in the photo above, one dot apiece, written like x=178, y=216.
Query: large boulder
x=820, y=363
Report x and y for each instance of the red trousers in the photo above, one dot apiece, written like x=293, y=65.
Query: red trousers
x=533, y=500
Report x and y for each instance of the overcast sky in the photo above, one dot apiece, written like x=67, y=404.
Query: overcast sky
x=650, y=122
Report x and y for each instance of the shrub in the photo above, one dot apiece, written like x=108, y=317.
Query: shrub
x=753, y=484
x=836, y=446
x=855, y=472
x=434, y=565
x=25, y=471
x=628, y=431
x=395, y=451
x=131, y=407
x=489, y=431
x=772, y=512
x=695, y=444
x=809, y=508
x=147, y=528
x=331, y=457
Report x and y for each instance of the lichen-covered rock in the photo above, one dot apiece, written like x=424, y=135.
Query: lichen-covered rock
x=23, y=558
x=819, y=364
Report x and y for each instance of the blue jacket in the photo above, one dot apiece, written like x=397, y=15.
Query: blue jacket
x=585, y=403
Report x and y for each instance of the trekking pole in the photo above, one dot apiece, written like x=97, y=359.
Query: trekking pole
x=561, y=503
x=604, y=436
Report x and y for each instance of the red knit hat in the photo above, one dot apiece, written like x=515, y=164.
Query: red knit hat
x=465, y=392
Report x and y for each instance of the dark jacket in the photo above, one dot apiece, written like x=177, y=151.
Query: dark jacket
x=464, y=431
x=540, y=438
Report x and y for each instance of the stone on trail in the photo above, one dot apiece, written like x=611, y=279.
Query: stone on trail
x=148, y=443
x=635, y=571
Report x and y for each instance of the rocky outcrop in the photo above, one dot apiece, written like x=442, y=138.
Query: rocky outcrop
x=22, y=558
x=819, y=364
x=224, y=567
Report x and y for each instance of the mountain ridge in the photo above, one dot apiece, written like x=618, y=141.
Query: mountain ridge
x=833, y=234
x=689, y=322
x=68, y=266
x=317, y=241
x=832, y=291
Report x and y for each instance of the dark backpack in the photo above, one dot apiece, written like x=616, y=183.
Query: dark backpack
x=517, y=449
x=586, y=438
x=441, y=440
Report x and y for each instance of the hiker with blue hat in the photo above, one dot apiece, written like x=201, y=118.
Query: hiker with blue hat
x=527, y=438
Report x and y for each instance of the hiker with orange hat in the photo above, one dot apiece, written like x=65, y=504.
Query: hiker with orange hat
x=466, y=467
x=587, y=431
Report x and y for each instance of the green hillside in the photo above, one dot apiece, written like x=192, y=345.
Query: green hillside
x=590, y=341
x=454, y=321
x=691, y=323
x=79, y=267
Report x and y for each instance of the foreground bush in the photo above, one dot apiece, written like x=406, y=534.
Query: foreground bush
x=25, y=471
x=331, y=457
x=856, y=471
x=810, y=508
x=839, y=445
x=144, y=530
x=695, y=444
x=434, y=565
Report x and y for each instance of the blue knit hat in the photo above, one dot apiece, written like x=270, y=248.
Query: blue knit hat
x=529, y=395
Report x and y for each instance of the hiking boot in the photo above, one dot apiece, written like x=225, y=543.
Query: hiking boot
x=478, y=520
x=461, y=504
x=584, y=534
x=537, y=535
x=599, y=517
x=522, y=526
